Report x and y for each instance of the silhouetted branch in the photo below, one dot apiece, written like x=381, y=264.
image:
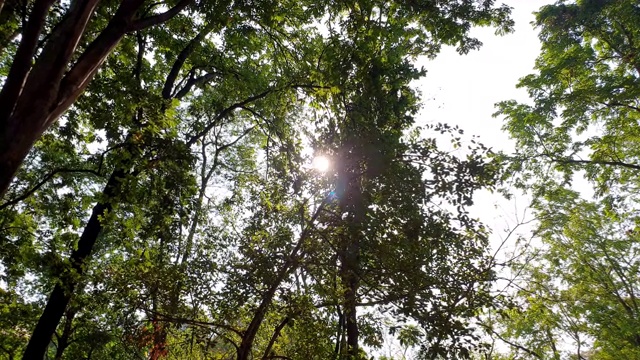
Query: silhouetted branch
x=44, y=181
x=160, y=18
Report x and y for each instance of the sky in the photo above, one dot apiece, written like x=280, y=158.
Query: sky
x=462, y=90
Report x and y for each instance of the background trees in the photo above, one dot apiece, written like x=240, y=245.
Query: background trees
x=577, y=292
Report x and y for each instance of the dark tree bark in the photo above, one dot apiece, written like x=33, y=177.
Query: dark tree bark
x=38, y=89
x=64, y=340
x=61, y=294
x=348, y=274
x=274, y=337
x=60, y=297
x=349, y=265
x=351, y=202
x=244, y=350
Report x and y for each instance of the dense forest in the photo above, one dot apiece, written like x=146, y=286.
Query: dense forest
x=192, y=179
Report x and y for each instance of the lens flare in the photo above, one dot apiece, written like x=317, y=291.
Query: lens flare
x=321, y=163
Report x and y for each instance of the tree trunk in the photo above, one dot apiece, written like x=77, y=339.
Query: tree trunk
x=350, y=283
x=65, y=339
x=349, y=264
x=36, y=93
x=61, y=294
x=244, y=350
x=351, y=202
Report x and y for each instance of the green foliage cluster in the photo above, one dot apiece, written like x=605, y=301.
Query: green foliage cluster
x=575, y=294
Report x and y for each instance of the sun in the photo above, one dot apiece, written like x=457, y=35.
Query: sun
x=321, y=163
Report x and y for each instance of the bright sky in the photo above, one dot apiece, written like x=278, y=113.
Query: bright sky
x=462, y=90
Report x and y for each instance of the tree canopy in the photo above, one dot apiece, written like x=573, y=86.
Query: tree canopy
x=156, y=198
x=576, y=292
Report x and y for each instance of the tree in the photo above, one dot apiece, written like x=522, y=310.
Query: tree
x=142, y=247
x=56, y=55
x=579, y=286
x=585, y=95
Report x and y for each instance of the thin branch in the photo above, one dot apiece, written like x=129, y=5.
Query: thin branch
x=226, y=112
x=44, y=181
x=519, y=347
x=144, y=23
x=582, y=162
x=619, y=104
x=180, y=320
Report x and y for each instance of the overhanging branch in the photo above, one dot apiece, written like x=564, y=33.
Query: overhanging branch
x=160, y=18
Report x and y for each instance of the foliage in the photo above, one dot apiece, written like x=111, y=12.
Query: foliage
x=172, y=213
x=575, y=294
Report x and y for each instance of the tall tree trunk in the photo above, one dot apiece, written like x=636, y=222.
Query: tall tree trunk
x=349, y=277
x=351, y=203
x=339, y=335
x=61, y=294
x=59, y=298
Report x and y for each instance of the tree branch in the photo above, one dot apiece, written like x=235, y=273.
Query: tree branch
x=274, y=337
x=192, y=82
x=144, y=23
x=49, y=176
x=167, y=89
x=226, y=112
x=619, y=104
x=22, y=60
x=179, y=320
x=596, y=162
x=519, y=347
x=578, y=161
